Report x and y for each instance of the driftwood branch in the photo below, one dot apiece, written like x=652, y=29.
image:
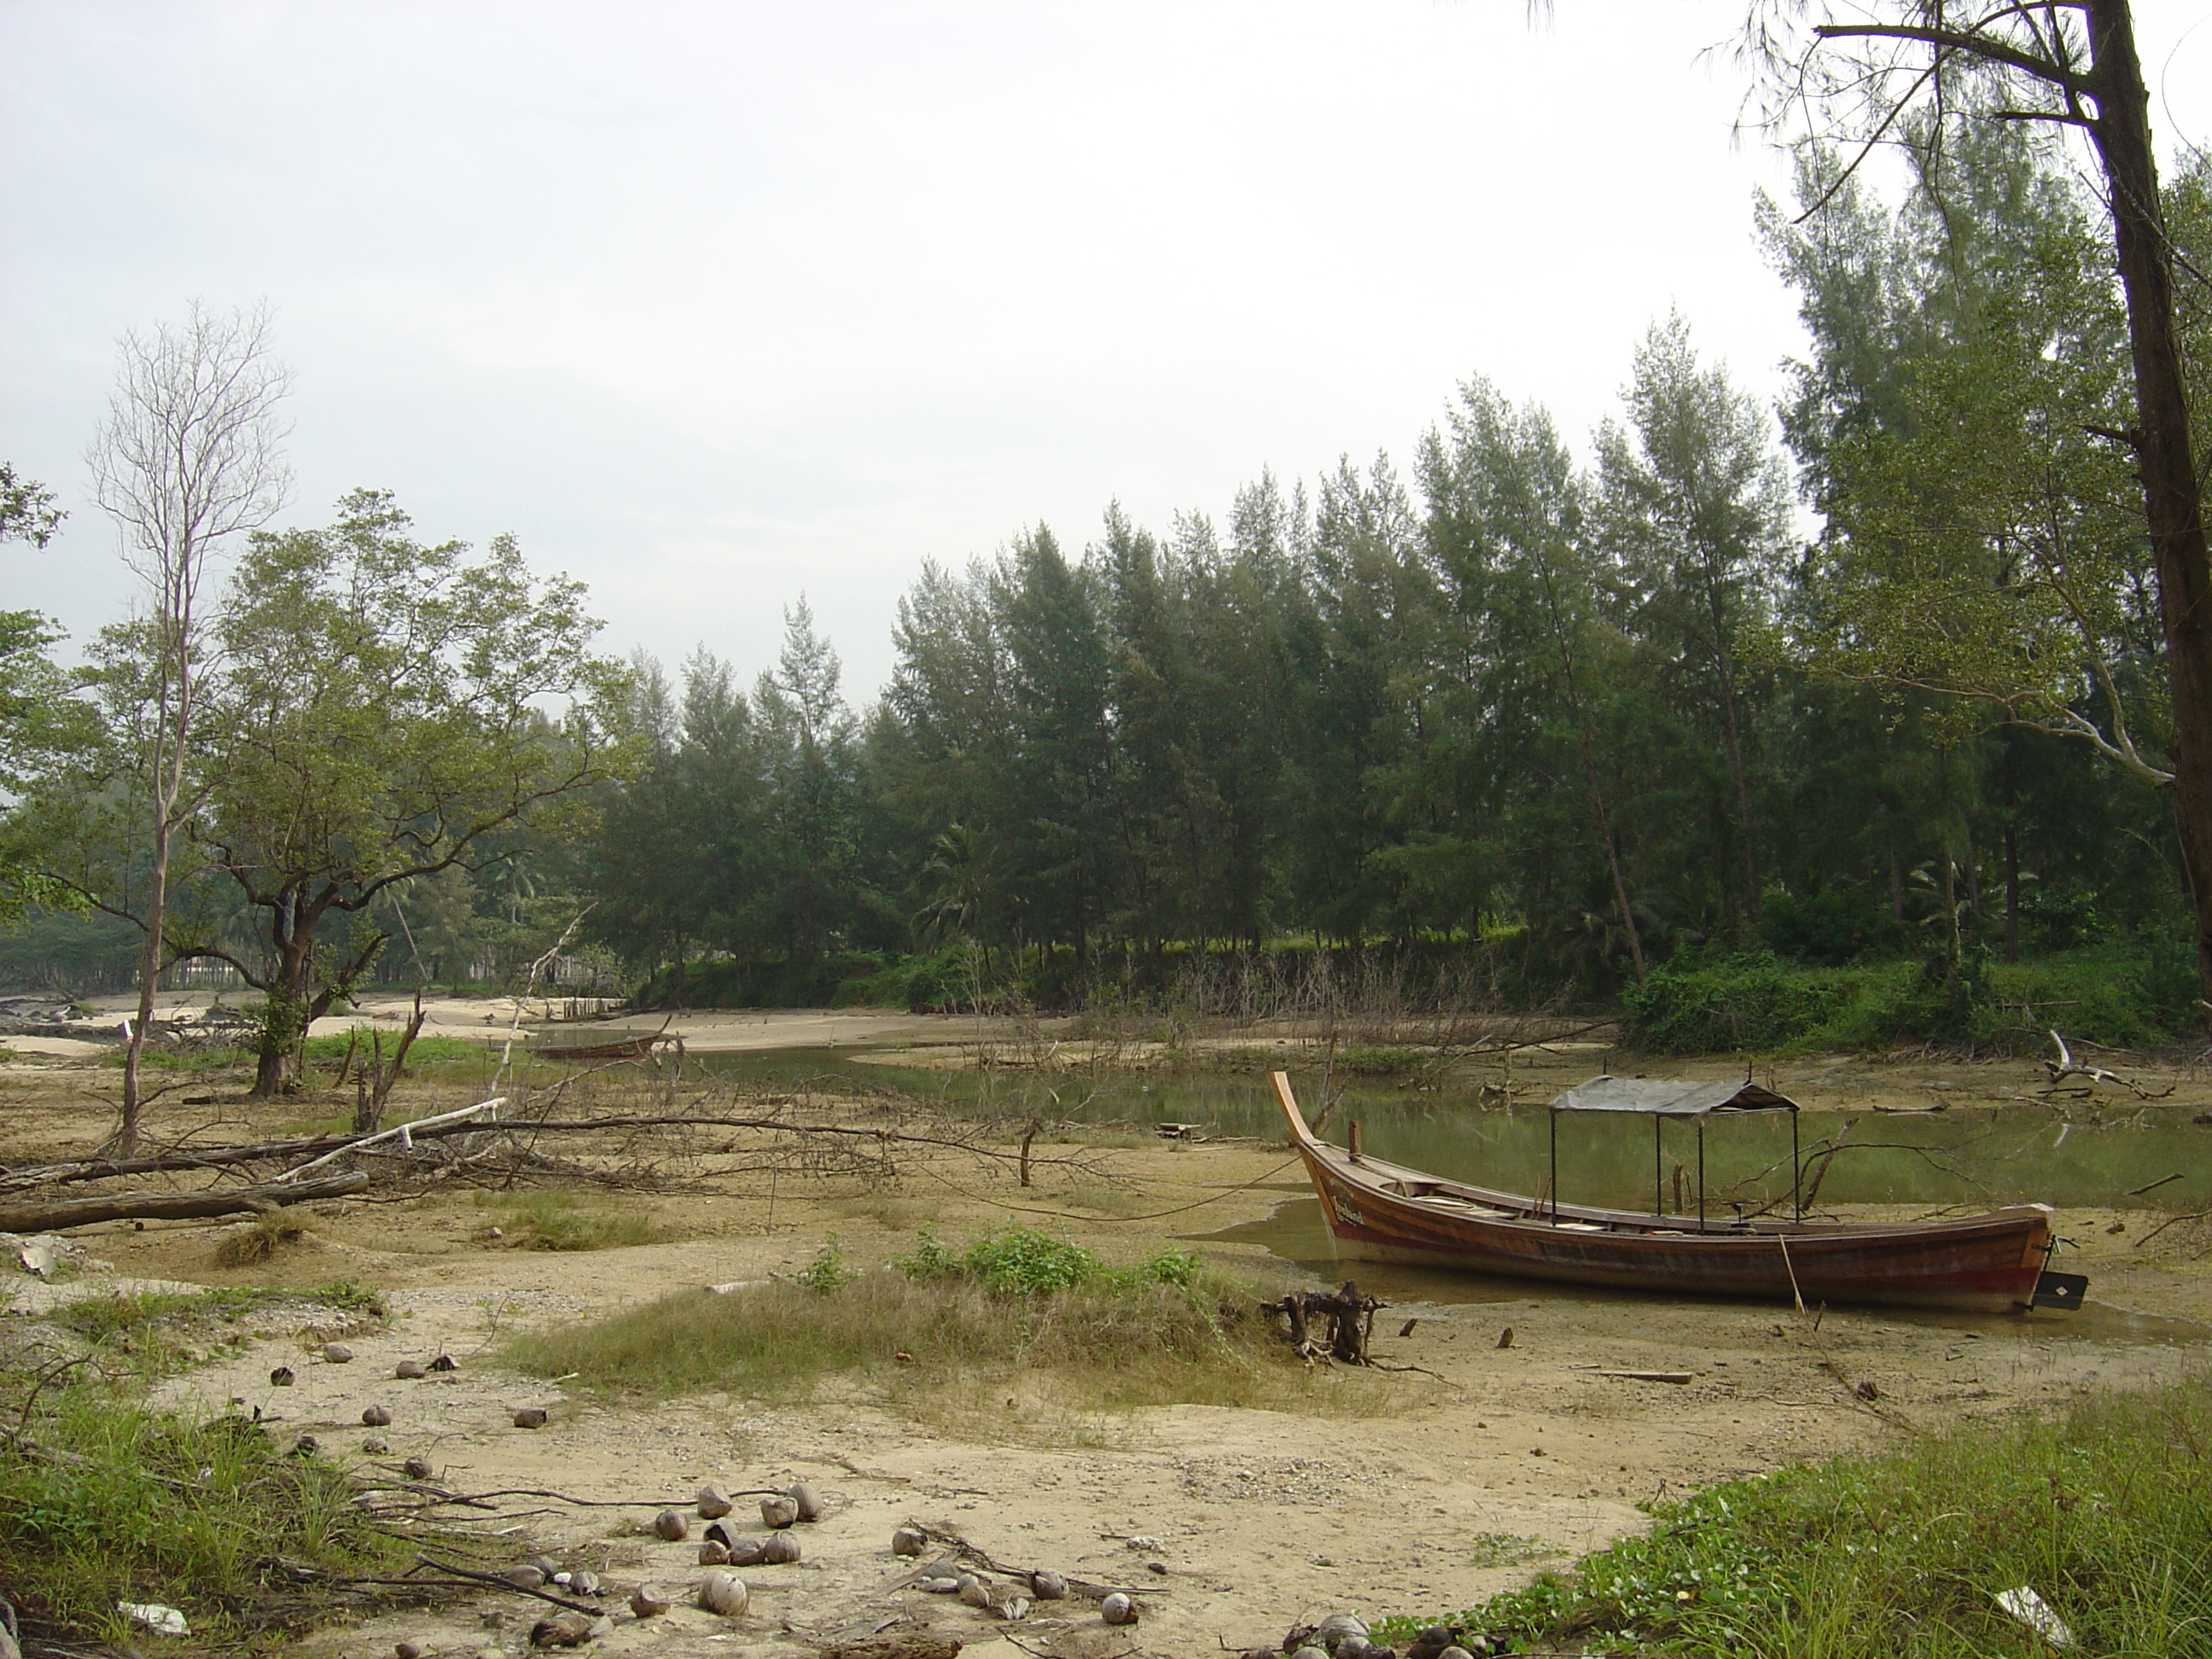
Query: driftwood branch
x=58, y=1214
x=2066, y=1066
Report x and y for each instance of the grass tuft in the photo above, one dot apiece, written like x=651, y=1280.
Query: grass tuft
x=939, y=1323
x=2104, y=1512
x=541, y=1220
x=268, y=1236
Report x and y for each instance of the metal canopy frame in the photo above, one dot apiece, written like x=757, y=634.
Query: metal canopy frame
x=1694, y=1100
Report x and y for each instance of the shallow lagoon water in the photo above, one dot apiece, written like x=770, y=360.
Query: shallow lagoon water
x=1973, y=1157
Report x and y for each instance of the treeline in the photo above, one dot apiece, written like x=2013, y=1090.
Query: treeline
x=1576, y=720
x=1881, y=681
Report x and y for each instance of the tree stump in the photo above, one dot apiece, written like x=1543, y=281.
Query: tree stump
x=1350, y=1319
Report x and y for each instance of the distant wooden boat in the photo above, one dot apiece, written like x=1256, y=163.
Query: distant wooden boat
x=632, y=1045
x=1383, y=1211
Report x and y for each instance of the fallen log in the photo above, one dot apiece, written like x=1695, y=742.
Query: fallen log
x=58, y=1214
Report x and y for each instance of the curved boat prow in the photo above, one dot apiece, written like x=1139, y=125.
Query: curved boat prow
x=1300, y=1135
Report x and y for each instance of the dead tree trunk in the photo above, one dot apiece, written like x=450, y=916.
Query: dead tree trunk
x=56, y=1213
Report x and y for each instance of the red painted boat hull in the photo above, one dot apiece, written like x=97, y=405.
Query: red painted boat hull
x=1383, y=1211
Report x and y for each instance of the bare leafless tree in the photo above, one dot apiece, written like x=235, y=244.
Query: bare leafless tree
x=190, y=454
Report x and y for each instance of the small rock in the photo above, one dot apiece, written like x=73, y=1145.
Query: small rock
x=375, y=1416
x=1118, y=1609
x=723, y=1592
x=416, y=1468
x=906, y=1541
x=646, y=1600
x=670, y=1525
x=713, y=1503
x=532, y=1417
x=160, y=1619
x=410, y=1371
x=1049, y=1586
x=281, y=1377
x=337, y=1354
x=778, y=1511
x=376, y=1445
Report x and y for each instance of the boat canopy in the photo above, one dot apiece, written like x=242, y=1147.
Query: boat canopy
x=1670, y=1098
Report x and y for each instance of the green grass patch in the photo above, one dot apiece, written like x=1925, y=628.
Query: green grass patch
x=2104, y=1511
x=423, y=1051
x=941, y=1327
x=156, y=1332
x=545, y=1219
x=1373, y=1061
x=2123, y=995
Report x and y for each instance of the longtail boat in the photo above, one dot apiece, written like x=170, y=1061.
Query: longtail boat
x=630, y=1045
x=1382, y=1212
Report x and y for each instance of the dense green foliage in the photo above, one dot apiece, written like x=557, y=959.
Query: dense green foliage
x=1570, y=724
x=2103, y=1512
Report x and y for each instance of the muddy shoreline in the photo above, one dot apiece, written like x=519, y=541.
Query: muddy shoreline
x=1457, y=1484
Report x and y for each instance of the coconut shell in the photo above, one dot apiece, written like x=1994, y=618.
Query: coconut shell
x=1118, y=1609
x=585, y=1582
x=907, y=1540
x=1013, y=1609
x=723, y=1592
x=670, y=1525
x=713, y=1554
x=713, y=1503
x=376, y=1417
x=444, y=1362
x=778, y=1511
x=406, y=1650
x=375, y=1445
x=409, y=1370
x=337, y=1354
x=568, y=1630
x=281, y=1377
x=416, y=1468
x=779, y=1550
x=648, y=1601
x=806, y=1500
x=937, y=1586
x=973, y=1591
x=532, y=1417
x=1047, y=1586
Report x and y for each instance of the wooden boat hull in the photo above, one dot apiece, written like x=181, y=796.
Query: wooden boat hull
x=1382, y=1212
x=636, y=1048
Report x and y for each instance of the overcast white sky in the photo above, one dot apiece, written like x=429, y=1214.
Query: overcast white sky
x=713, y=304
